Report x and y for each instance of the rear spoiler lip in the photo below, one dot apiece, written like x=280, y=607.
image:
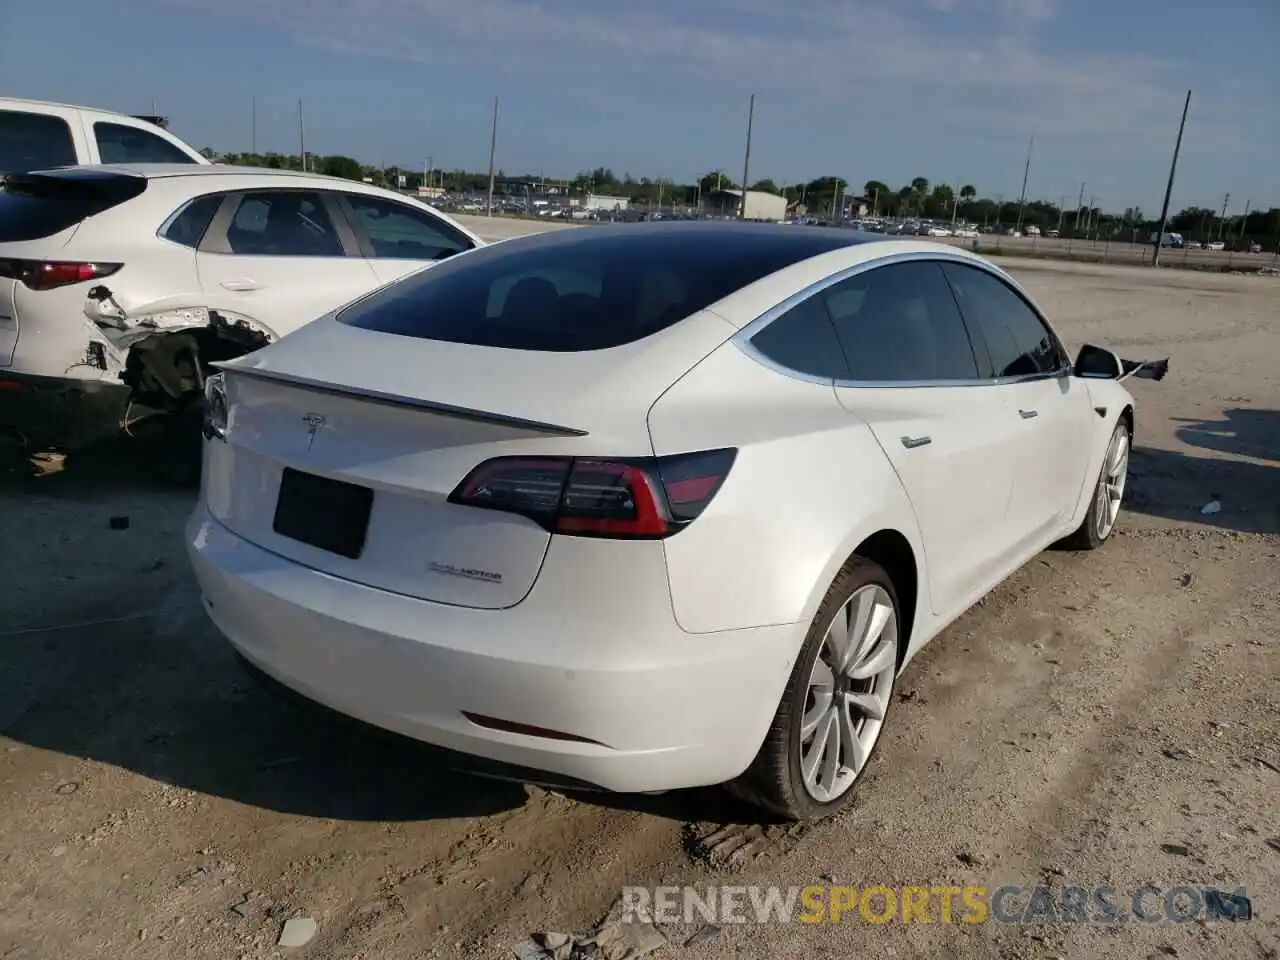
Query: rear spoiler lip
x=397, y=400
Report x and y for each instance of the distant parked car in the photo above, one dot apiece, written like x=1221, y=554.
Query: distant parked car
x=118, y=286
x=1215, y=245
x=36, y=135
x=1255, y=247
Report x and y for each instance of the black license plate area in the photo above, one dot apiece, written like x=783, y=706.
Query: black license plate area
x=330, y=514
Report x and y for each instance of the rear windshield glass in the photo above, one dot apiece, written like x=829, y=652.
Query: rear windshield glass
x=34, y=141
x=34, y=207
x=583, y=289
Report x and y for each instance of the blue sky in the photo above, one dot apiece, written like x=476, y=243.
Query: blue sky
x=887, y=89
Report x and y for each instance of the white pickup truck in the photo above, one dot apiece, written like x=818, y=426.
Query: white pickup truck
x=36, y=135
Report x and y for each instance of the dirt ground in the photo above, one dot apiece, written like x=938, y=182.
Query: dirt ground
x=1106, y=718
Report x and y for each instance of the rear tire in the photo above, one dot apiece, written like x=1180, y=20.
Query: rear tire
x=1108, y=493
x=832, y=713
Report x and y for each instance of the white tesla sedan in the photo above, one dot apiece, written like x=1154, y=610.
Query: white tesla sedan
x=651, y=506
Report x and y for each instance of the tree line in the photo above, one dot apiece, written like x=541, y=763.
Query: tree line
x=823, y=197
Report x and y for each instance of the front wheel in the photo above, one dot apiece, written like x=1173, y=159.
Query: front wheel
x=1100, y=522
x=832, y=713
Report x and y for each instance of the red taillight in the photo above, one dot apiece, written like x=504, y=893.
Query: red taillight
x=642, y=498
x=51, y=274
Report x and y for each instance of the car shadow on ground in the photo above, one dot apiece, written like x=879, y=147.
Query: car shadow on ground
x=1242, y=431
x=163, y=696
x=171, y=703
x=1229, y=494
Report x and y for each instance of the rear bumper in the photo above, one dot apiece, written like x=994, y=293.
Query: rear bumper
x=60, y=412
x=647, y=705
x=447, y=758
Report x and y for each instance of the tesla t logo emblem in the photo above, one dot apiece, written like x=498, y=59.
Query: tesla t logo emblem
x=314, y=422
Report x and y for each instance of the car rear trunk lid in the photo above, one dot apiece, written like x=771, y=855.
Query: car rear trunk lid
x=343, y=446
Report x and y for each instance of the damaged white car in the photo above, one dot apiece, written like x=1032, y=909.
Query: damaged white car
x=120, y=285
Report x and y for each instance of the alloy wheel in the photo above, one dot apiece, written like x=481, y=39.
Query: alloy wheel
x=849, y=690
x=1115, y=474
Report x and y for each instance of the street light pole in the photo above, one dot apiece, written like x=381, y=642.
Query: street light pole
x=302, y=140
x=1026, y=172
x=493, y=149
x=746, y=159
x=1168, y=190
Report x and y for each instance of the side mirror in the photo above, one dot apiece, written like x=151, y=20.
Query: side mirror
x=1098, y=363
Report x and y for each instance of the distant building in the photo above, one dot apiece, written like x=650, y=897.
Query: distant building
x=856, y=207
x=760, y=205
x=600, y=202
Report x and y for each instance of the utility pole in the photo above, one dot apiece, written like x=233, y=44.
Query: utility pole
x=1079, y=206
x=302, y=140
x=1062, y=212
x=493, y=150
x=1222, y=221
x=1168, y=190
x=253, y=135
x=1026, y=172
x=1245, y=219
x=746, y=159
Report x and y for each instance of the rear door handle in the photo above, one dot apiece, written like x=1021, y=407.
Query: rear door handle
x=241, y=285
x=1028, y=414
x=912, y=442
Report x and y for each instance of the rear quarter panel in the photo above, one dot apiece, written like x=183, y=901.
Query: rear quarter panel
x=55, y=332
x=809, y=484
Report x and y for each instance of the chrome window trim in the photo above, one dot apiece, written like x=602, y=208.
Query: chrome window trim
x=742, y=339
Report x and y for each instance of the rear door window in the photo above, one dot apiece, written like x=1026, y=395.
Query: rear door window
x=34, y=141
x=120, y=143
x=899, y=323
x=283, y=223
